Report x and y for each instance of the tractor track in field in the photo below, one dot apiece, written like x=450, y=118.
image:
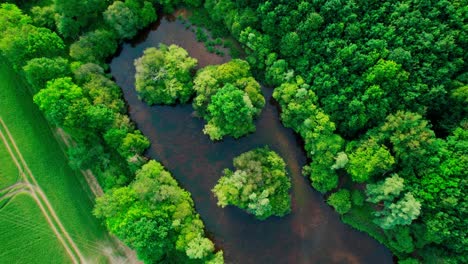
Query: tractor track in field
x=30, y=183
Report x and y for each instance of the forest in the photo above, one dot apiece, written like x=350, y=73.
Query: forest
x=377, y=91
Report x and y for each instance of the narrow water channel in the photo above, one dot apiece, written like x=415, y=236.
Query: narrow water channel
x=312, y=233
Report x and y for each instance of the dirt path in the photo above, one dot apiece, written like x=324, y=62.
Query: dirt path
x=11, y=187
x=88, y=174
x=38, y=195
x=12, y=193
x=96, y=189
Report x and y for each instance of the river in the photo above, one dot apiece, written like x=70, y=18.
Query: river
x=312, y=233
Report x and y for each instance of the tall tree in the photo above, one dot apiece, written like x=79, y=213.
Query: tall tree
x=164, y=75
x=259, y=184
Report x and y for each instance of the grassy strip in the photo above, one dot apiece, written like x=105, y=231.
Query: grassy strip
x=26, y=236
x=8, y=171
x=66, y=189
x=358, y=218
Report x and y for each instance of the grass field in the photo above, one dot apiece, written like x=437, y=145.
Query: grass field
x=8, y=171
x=25, y=236
x=358, y=217
x=66, y=189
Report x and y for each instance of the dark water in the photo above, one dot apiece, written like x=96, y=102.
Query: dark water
x=312, y=233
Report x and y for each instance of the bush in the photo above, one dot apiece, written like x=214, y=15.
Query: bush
x=340, y=201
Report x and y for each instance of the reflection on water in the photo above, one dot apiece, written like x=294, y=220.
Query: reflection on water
x=312, y=233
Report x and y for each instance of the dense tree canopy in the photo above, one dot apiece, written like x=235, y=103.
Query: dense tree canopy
x=157, y=218
x=231, y=113
x=74, y=16
x=164, y=75
x=77, y=95
x=20, y=41
x=374, y=88
x=301, y=113
x=401, y=212
x=40, y=70
x=260, y=184
x=377, y=90
x=126, y=18
x=228, y=98
x=94, y=46
x=341, y=201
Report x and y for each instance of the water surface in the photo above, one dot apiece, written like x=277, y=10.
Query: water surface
x=312, y=233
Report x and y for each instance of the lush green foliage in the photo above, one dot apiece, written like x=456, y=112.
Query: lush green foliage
x=80, y=98
x=402, y=212
x=364, y=84
x=260, y=184
x=157, y=218
x=94, y=46
x=300, y=112
x=40, y=70
x=231, y=113
x=164, y=75
x=374, y=89
x=66, y=189
x=341, y=201
x=20, y=41
x=126, y=18
x=367, y=160
x=228, y=98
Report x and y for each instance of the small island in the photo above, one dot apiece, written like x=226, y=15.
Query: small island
x=259, y=185
x=164, y=75
x=228, y=98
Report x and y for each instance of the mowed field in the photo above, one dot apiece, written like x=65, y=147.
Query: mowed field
x=40, y=157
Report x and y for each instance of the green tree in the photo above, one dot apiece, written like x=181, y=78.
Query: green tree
x=213, y=77
x=121, y=19
x=43, y=16
x=259, y=184
x=400, y=239
x=228, y=98
x=132, y=144
x=40, y=70
x=57, y=100
x=357, y=197
x=103, y=92
x=341, y=201
x=386, y=190
x=402, y=212
x=157, y=218
x=126, y=18
x=368, y=160
x=278, y=73
x=94, y=46
x=12, y=17
x=164, y=75
x=290, y=44
x=412, y=139
x=199, y=248
x=341, y=160
x=20, y=44
x=230, y=113
x=74, y=16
